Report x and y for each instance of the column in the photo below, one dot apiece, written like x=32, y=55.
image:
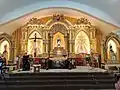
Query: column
x=51, y=42
x=73, y=46
x=104, y=54
x=44, y=47
x=44, y=42
x=47, y=42
x=12, y=51
x=70, y=43
x=118, y=54
x=66, y=42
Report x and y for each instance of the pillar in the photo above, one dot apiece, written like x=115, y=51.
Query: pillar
x=118, y=54
x=50, y=44
x=66, y=42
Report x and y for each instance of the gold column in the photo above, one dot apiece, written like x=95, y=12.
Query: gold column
x=104, y=53
x=50, y=44
x=47, y=42
x=66, y=41
x=70, y=44
x=118, y=54
x=73, y=45
x=12, y=49
x=44, y=48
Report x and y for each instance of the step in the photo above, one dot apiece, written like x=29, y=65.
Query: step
x=46, y=82
x=61, y=73
x=57, y=77
x=70, y=86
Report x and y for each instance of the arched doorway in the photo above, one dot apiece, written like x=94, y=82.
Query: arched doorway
x=82, y=43
x=35, y=44
x=5, y=49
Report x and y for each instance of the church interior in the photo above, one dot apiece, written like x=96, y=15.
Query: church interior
x=60, y=36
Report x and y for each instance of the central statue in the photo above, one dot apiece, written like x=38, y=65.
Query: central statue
x=58, y=42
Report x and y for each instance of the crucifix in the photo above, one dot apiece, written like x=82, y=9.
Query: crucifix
x=35, y=48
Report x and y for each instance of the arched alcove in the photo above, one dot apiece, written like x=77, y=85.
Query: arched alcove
x=5, y=49
x=32, y=44
x=112, y=51
x=57, y=36
x=82, y=43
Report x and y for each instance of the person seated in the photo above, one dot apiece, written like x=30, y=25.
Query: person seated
x=37, y=61
x=43, y=63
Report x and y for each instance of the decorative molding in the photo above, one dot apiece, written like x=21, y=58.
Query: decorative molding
x=58, y=17
x=34, y=21
x=83, y=21
x=58, y=28
x=112, y=35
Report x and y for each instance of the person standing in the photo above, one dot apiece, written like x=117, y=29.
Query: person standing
x=1, y=64
x=26, y=64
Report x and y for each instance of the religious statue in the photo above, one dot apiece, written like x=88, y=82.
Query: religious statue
x=35, y=47
x=112, y=55
x=58, y=42
x=5, y=53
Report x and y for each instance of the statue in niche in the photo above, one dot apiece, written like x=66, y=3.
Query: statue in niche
x=5, y=52
x=112, y=55
x=58, y=42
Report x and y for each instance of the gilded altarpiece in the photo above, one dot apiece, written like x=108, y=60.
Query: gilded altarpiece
x=57, y=26
x=6, y=47
x=111, y=48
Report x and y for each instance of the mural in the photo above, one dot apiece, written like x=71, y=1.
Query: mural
x=82, y=43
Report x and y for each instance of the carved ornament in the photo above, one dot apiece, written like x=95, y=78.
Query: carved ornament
x=34, y=21
x=83, y=21
x=57, y=17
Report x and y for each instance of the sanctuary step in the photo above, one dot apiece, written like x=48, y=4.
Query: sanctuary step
x=58, y=81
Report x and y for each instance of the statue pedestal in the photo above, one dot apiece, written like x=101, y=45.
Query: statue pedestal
x=59, y=51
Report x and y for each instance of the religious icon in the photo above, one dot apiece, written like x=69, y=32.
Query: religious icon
x=58, y=42
x=112, y=54
x=35, y=47
x=5, y=53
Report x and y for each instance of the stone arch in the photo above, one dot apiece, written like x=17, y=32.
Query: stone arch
x=82, y=43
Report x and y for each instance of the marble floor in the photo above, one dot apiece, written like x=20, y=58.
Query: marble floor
x=78, y=69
